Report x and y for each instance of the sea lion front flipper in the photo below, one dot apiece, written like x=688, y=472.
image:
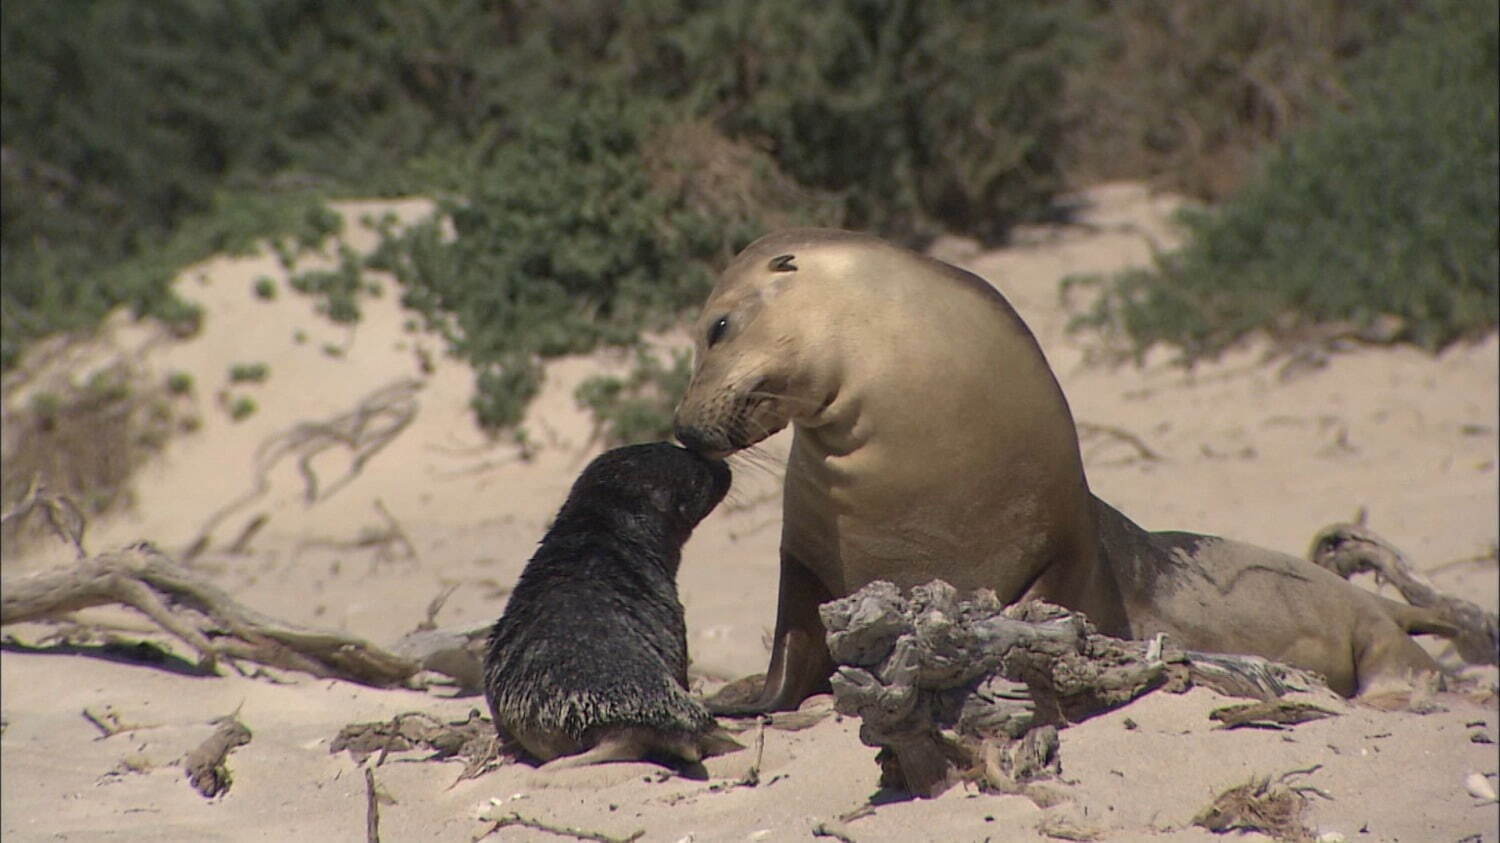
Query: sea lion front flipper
x=642, y=743
x=619, y=745
x=1418, y=620
x=800, y=664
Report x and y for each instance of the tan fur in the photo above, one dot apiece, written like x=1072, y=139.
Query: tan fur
x=931, y=439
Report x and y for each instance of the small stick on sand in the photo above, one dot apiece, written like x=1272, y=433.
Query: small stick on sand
x=253, y=526
x=435, y=606
x=1089, y=429
x=372, y=809
x=205, y=765
x=374, y=795
x=832, y=829
x=108, y=730
x=560, y=830
x=396, y=531
x=865, y=810
x=752, y=776
x=109, y=723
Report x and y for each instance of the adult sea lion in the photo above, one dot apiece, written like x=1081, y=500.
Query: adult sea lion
x=932, y=441
x=588, y=663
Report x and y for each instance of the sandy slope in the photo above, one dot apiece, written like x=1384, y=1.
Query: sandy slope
x=1242, y=452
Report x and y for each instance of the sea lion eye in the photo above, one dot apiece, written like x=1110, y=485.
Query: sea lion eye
x=783, y=263
x=717, y=329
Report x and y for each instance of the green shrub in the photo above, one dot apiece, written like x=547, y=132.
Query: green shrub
x=265, y=288
x=1185, y=94
x=1388, y=208
x=594, y=158
x=242, y=407
x=593, y=254
x=125, y=122
x=249, y=373
x=338, y=288
x=917, y=114
x=637, y=408
x=180, y=383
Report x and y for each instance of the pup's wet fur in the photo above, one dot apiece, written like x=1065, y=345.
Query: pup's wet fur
x=588, y=663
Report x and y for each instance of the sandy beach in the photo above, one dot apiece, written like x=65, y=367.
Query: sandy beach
x=1260, y=448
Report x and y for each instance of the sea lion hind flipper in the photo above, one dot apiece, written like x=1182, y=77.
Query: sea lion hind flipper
x=1416, y=620
x=800, y=663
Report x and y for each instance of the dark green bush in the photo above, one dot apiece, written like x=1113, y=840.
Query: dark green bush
x=638, y=407
x=1185, y=94
x=249, y=372
x=917, y=114
x=126, y=121
x=338, y=289
x=540, y=267
x=1387, y=208
x=595, y=158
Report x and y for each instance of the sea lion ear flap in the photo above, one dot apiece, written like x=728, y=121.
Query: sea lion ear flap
x=781, y=264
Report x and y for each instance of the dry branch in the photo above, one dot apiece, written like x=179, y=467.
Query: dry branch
x=205, y=765
x=200, y=614
x=1089, y=430
x=1275, y=808
x=472, y=740
x=950, y=688
x=561, y=830
x=376, y=420
x=1349, y=549
x=109, y=723
x=375, y=795
x=62, y=514
x=1268, y=714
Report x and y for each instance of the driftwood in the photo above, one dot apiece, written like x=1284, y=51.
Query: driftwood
x=1272, y=714
x=952, y=688
x=366, y=429
x=516, y=820
x=1274, y=807
x=62, y=514
x=472, y=740
x=205, y=765
x=1349, y=549
x=375, y=795
x=214, y=625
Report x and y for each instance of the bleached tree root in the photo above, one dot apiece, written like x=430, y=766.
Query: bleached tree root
x=1349, y=549
x=953, y=689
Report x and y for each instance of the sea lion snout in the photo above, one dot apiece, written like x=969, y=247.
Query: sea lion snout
x=713, y=445
x=678, y=482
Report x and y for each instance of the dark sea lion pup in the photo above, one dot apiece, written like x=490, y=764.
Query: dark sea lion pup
x=588, y=663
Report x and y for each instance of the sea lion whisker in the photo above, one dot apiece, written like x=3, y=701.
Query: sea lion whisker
x=756, y=458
